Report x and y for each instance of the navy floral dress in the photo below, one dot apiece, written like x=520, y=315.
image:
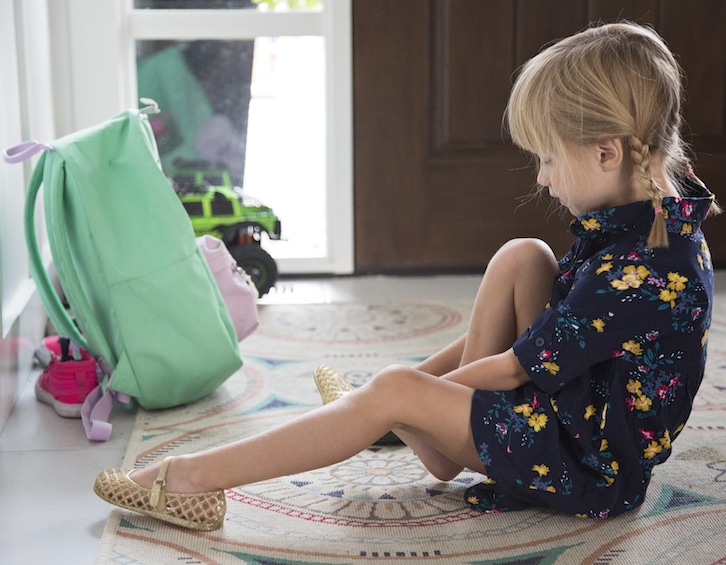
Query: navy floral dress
x=615, y=362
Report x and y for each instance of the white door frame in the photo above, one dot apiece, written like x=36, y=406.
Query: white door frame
x=100, y=38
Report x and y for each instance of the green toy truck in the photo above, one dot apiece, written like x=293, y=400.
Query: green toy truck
x=218, y=208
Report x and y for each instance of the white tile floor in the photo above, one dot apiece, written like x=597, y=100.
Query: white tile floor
x=48, y=512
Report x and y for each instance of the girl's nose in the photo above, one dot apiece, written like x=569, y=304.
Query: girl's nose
x=543, y=179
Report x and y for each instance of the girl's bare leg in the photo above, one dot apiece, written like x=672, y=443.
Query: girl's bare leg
x=439, y=416
x=515, y=288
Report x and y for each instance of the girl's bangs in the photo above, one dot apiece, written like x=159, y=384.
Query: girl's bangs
x=531, y=127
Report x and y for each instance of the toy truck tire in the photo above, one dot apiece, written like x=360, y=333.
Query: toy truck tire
x=258, y=264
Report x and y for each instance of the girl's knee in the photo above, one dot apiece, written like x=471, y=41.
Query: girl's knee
x=529, y=252
x=527, y=247
x=395, y=381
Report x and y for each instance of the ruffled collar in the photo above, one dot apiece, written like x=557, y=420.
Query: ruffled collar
x=692, y=208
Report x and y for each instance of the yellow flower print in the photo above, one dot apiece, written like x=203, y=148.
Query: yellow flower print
x=591, y=224
x=640, y=272
x=554, y=405
x=537, y=422
x=598, y=324
x=583, y=516
x=551, y=489
x=553, y=368
x=700, y=261
x=590, y=411
x=633, y=347
x=604, y=416
x=633, y=386
x=680, y=428
x=652, y=450
x=668, y=296
x=605, y=267
x=608, y=480
x=541, y=470
x=633, y=277
x=604, y=445
x=473, y=500
x=676, y=282
x=704, y=339
x=643, y=403
x=686, y=229
x=607, y=257
x=615, y=466
x=525, y=409
x=665, y=441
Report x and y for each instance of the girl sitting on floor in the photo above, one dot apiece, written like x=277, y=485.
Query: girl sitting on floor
x=574, y=377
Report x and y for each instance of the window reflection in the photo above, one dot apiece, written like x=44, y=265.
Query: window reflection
x=203, y=90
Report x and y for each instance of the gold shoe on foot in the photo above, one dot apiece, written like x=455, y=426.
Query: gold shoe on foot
x=331, y=385
x=197, y=511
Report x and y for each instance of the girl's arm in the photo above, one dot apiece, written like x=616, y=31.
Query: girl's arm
x=496, y=372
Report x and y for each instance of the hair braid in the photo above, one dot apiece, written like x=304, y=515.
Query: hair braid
x=640, y=156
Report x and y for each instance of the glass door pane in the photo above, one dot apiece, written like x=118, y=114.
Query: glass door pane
x=255, y=109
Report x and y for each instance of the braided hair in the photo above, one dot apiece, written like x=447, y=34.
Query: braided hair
x=640, y=158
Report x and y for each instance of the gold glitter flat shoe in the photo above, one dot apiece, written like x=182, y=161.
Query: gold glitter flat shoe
x=331, y=385
x=197, y=511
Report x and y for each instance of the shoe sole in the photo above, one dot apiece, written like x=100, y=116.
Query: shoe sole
x=63, y=409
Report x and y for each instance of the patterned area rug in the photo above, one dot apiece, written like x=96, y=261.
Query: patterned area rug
x=382, y=506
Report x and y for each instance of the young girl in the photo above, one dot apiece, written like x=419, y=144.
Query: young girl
x=573, y=378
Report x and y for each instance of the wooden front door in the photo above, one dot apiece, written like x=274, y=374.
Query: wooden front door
x=437, y=185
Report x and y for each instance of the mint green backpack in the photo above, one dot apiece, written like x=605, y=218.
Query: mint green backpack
x=126, y=257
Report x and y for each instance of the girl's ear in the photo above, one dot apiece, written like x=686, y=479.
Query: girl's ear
x=610, y=154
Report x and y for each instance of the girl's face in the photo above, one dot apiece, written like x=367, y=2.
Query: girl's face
x=586, y=179
x=562, y=181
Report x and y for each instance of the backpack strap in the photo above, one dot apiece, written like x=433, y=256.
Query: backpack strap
x=54, y=183
x=97, y=407
x=48, y=295
x=96, y=414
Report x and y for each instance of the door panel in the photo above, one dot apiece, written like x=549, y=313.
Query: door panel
x=437, y=185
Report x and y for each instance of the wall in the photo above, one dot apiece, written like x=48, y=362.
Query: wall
x=26, y=112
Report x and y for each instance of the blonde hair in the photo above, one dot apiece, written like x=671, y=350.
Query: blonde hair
x=613, y=81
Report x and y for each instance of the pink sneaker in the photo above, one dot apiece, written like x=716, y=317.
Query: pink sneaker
x=66, y=383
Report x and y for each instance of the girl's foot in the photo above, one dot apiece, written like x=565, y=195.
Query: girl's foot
x=198, y=511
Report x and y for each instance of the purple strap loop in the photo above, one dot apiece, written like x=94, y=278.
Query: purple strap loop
x=96, y=409
x=23, y=151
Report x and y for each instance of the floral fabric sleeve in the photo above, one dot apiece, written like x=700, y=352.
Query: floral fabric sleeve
x=617, y=306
